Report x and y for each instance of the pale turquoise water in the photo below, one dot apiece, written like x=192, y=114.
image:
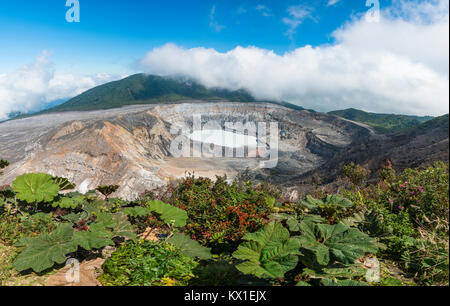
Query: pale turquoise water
x=224, y=138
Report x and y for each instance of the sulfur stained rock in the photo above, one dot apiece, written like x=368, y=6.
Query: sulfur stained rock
x=130, y=146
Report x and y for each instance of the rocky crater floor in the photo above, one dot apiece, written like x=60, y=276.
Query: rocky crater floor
x=131, y=146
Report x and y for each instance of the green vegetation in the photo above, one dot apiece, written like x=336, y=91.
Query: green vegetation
x=148, y=264
x=270, y=252
x=355, y=173
x=408, y=214
x=218, y=212
x=382, y=123
x=107, y=190
x=3, y=164
x=441, y=122
x=203, y=232
x=148, y=89
x=33, y=188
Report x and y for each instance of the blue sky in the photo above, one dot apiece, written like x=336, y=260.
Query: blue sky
x=320, y=54
x=114, y=33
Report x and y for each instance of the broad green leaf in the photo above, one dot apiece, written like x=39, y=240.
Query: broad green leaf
x=35, y=187
x=137, y=211
x=293, y=221
x=105, y=220
x=335, y=200
x=189, y=247
x=354, y=220
x=69, y=202
x=270, y=201
x=43, y=252
x=122, y=228
x=93, y=239
x=314, y=219
x=63, y=183
x=272, y=232
x=334, y=242
x=339, y=201
x=311, y=203
x=322, y=253
x=293, y=224
x=74, y=218
x=95, y=207
x=107, y=190
x=168, y=213
x=117, y=223
x=268, y=253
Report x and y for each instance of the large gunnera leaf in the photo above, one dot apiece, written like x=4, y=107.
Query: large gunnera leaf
x=331, y=200
x=339, y=201
x=293, y=221
x=35, y=187
x=63, y=183
x=311, y=203
x=41, y=253
x=95, y=238
x=136, y=211
x=44, y=251
x=329, y=243
x=268, y=253
x=117, y=223
x=69, y=202
x=122, y=228
x=189, y=247
x=170, y=214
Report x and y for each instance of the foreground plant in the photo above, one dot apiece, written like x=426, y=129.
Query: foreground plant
x=174, y=218
x=220, y=213
x=107, y=190
x=35, y=187
x=268, y=253
x=333, y=243
x=332, y=208
x=147, y=263
x=169, y=214
x=43, y=252
x=3, y=164
x=320, y=241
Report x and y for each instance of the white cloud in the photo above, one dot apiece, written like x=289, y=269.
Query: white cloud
x=264, y=10
x=411, y=30
x=399, y=65
x=332, y=2
x=241, y=10
x=34, y=85
x=419, y=11
x=213, y=22
x=297, y=14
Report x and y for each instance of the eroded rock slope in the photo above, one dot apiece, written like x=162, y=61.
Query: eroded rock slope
x=131, y=146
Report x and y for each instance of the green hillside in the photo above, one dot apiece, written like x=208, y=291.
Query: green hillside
x=148, y=89
x=438, y=122
x=382, y=123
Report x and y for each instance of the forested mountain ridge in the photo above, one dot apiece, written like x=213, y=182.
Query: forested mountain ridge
x=382, y=123
x=148, y=89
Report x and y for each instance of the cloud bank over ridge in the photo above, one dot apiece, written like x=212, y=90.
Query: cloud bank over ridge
x=397, y=65
x=33, y=86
